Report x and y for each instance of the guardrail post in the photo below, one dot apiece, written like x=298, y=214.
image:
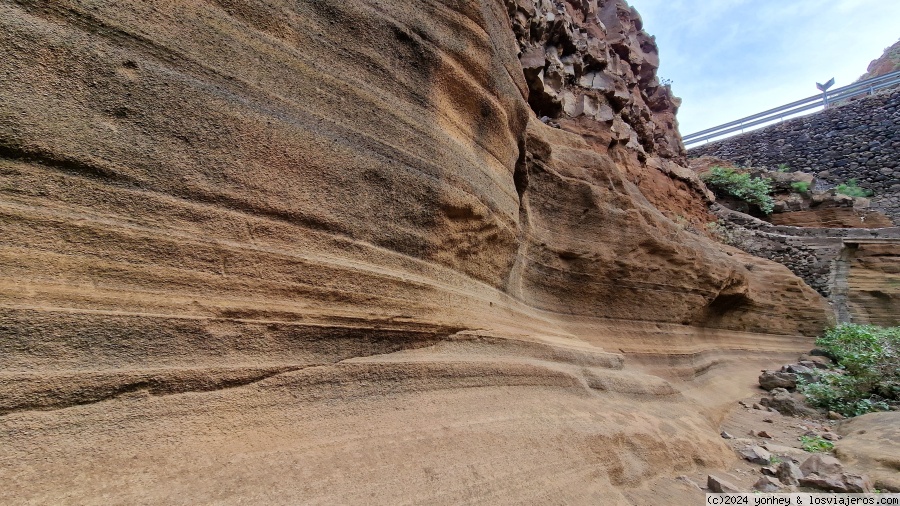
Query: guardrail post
x=824, y=89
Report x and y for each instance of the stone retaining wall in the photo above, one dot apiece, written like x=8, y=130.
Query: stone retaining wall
x=859, y=139
x=817, y=256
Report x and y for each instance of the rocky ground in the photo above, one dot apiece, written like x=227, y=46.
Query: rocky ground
x=766, y=431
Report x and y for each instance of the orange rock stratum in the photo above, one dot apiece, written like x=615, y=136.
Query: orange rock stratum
x=326, y=252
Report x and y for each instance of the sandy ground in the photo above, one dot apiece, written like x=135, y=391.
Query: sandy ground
x=439, y=425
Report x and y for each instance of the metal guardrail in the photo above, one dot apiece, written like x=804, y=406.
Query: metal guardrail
x=861, y=88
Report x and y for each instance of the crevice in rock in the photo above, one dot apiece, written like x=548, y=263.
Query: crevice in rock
x=92, y=386
x=64, y=164
x=154, y=386
x=840, y=289
x=520, y=173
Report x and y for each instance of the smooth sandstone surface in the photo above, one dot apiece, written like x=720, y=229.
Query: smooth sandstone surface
x=280, y=252
x=872, y=442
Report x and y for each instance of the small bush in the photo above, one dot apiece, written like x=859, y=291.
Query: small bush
x=869, y=361
x=800, y=186
x=783, y=167
x=814, y=444
x=753, y=190
x=851, y=189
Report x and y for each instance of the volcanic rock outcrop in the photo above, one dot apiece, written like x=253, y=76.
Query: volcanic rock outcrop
x=888, y=62
x=327, y=251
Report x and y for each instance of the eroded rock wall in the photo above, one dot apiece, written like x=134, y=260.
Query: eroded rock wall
x=256, y=162
x=873, y=282
x=591, y=70
x=313, y=232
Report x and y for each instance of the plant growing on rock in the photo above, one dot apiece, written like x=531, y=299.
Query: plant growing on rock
x=800, y=186
x=869, y=374
x=814, y=444
x=851, y=189
x=753, y=190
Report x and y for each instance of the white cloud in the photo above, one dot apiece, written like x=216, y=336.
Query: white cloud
x=731, y=58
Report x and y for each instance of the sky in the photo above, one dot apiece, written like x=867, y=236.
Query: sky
x=732, y=58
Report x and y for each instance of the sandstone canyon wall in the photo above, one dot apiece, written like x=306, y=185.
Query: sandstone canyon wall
x=333, y=241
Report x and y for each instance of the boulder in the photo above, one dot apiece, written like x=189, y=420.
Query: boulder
x=844, y=483
x=821, y=465
x=795, y=454
x=816, y=362
x=857, y=484
x=756, y=455
x=782, y=182
x=827, y=482
x=720, y=486
x=801, y=371
x=768, y=484
x=789, y=473
x=786, y=403
x=689, y=482
x=769, y=380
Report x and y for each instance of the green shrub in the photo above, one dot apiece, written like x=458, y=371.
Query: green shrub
x=753, y=190
x=869, y=362
x=800, y=186
x=815, y=444
x=851, y=189
x=783, y=167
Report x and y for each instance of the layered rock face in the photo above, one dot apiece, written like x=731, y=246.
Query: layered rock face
x=873, y=282
x=332, y=241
